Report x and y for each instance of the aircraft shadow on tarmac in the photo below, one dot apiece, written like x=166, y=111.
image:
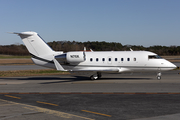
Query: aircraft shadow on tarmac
x=71, y=79
x=80, y=78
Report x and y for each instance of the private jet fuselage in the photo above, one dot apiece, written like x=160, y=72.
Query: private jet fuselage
x=93, y=63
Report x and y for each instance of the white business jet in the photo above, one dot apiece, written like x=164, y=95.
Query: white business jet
x=93, y=63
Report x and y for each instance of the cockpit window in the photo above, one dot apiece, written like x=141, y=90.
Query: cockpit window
x=154, y=57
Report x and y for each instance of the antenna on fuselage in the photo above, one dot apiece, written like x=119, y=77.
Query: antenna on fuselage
x=84, y=49
x=91, y=50
x=84, y=54
x=131, y=49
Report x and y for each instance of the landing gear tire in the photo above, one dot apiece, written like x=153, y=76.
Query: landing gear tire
x=95, y=76
x=158, y=77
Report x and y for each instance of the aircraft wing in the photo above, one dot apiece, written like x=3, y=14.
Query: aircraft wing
x=103, y=69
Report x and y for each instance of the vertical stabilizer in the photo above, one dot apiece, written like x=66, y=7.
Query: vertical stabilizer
x=35, y=44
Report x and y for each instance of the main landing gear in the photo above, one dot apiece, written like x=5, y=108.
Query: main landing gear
x=96, y=76
x=159, y=75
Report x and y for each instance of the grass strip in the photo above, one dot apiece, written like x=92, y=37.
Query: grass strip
x=18, y=73
x=12, y=56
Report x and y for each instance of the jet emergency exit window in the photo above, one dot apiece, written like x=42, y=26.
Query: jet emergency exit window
x=122, y=59
x=116, y=59
x=128, y=59
x=91, y=59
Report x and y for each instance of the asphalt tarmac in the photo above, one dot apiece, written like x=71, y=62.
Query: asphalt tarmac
x=20, y=67
x=138, y=96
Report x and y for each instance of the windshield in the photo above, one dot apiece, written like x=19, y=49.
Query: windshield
x=154, y=57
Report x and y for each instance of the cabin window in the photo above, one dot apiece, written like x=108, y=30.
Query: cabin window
x=154, y=57
x=97, y=59
x=103, y=59
x=116, y=59
x=91, y=59
x=122, y=59
x=128, y=59
x=109, y=59
x=134, y=59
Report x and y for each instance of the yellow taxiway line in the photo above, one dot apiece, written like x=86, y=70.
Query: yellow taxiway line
x=47, y=103
x=12, y=96
x=96, y=113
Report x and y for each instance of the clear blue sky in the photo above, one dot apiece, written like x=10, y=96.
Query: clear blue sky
x=134, y=22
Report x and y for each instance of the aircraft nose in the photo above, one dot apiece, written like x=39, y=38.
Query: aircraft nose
x=173, y=66
x=169, y=65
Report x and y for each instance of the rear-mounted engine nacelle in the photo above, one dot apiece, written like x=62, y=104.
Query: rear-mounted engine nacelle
x=75, y=57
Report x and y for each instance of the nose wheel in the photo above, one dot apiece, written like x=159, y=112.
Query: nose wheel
x=159, y=75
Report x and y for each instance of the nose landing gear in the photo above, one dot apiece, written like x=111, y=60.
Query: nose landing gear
x=159, y=75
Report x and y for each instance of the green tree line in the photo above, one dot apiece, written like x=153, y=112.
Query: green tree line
x=95, y=46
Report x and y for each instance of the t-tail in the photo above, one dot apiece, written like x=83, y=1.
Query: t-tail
x=41, y=53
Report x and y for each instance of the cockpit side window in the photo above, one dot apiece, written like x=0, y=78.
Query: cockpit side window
x=154, y=57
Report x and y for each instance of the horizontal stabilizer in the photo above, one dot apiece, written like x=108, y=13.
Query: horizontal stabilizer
x=22, y=33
